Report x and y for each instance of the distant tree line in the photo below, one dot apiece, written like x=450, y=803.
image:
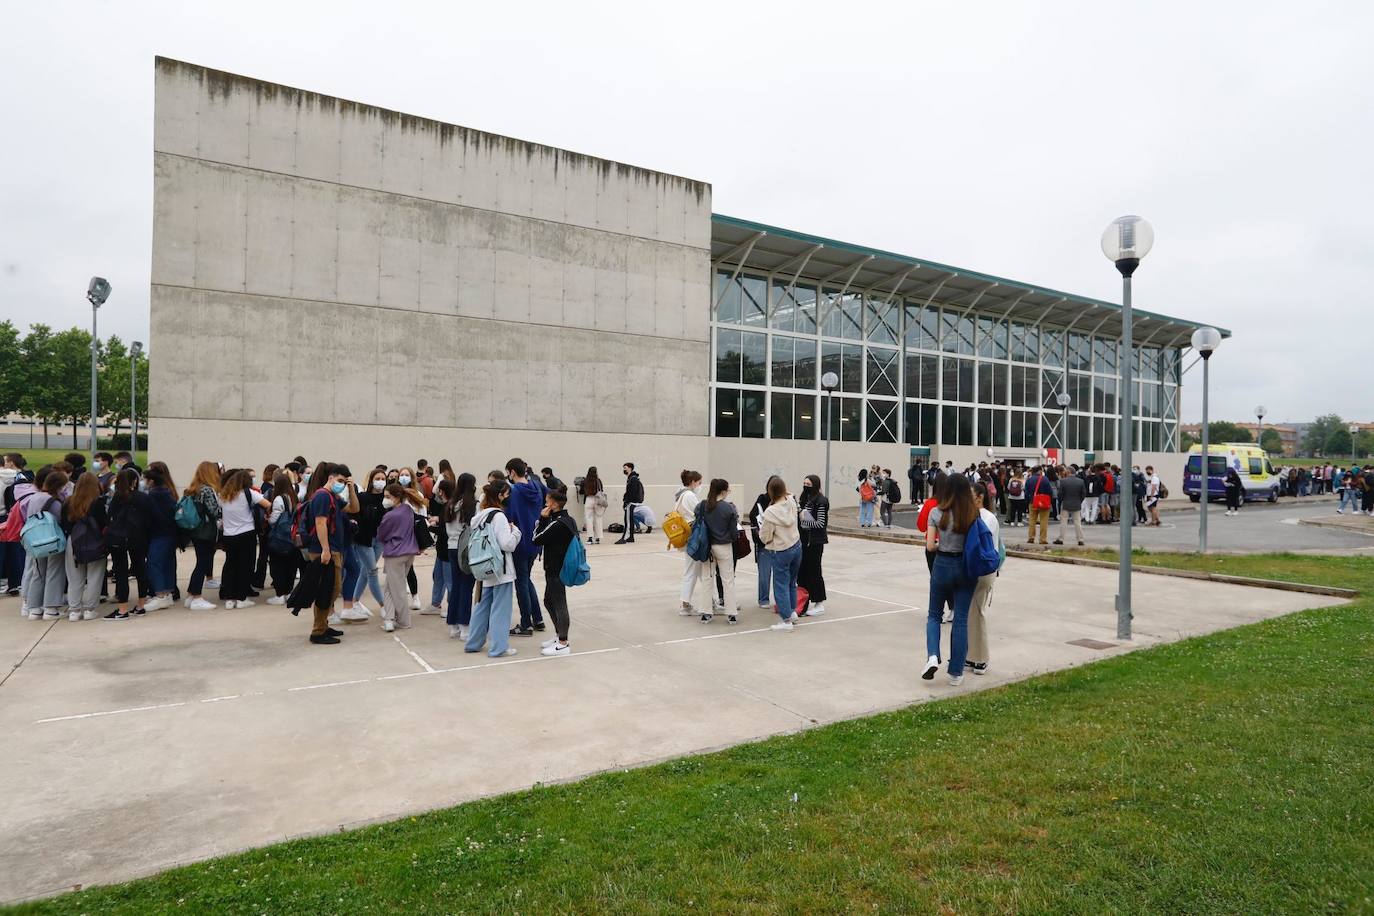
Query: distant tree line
x=46, y=374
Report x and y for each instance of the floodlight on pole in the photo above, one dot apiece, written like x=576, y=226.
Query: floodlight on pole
x=829, y=381
x=1125, y=241
x=1063, y=400
x=96, y=293
x=135, y=352
x=1205, y=342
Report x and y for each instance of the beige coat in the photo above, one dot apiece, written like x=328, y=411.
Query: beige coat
x=778, y=525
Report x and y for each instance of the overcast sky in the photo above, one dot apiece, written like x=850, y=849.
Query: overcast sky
x=1001, y=137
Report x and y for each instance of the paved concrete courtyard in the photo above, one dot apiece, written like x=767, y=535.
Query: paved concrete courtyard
x=130, y=747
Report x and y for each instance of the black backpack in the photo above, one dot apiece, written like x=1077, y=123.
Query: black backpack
x=894, y=492
x=87, y=540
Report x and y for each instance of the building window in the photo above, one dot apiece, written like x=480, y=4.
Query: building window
x=956, y=426
x=1023, y=427
x=882, y=420
x=882, y=372
x=883, y=318
x=958, y=382
x=921, y=424
x=846, y=423
x=1081, y=390
x=922, y=376
x=1025, y=343
x=1051, y=431
x=1051, y=389
x=743, y=300
x=727, y=413
x=1104, y=355
x=846, y=361
x=992, y=338
x=922, y=328
x=792, y=416
x=992, y=383
x=956, y=334
x=739, y=413
x=793, y=308
x=842, y=316
x=794, y=362
x=1080, y=352
x=1104, y=432
x=729, y=355
x=754, y=359
x=1025, y=386
x=1052, y=348
x=992, y=427
x=1104, y=395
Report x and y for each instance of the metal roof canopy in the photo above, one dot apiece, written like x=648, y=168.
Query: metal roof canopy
x=760, y=248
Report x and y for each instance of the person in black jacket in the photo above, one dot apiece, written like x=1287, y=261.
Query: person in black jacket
x=760, y=555
x=916, y=474
x=554, y=532
x=365, y=545
x=814, y=522
x=127, y=535
x=634, y=495
x=162, y=539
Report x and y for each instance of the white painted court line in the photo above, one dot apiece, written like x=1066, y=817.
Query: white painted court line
x=864, y=597
x=415, y=655
x=331, y=684
x=108, y=712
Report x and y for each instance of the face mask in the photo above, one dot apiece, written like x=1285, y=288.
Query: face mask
x=99, y=466
x=627, y=473
x=252, y=484
x=143, y=486
x=305, y=474
x=379, y=485
x=404, y=479
x=338, y=487
x=388, y=502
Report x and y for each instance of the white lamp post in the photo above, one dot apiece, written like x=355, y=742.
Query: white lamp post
x=96, y=293
x=1125, y=241
x=1205, y=342
x=134, y=352
x=1354, y=431
x=1063, y=400
x=829, y=381
x=1260, y=411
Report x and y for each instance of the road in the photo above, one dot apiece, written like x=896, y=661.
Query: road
x=1256, y=529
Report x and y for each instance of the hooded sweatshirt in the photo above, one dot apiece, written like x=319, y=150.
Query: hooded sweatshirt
x=397, y=532
x=779, y=528
x=523, y=508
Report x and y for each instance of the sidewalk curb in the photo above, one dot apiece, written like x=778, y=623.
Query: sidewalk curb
x=1326, y=590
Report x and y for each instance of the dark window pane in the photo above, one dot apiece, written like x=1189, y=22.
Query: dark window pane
x=727, y=413
x=805, y=351
x=755, y=366
x=882, y=421
x=1051, y=386
x=783, y=363
x=751, y=414
x=780, y=419
x=850, y=415
x=949, y=426
x=992, y=338
x=830, y=358
x=728, y=355
x=852, y=368
x=727, y=296
x=804, y=423
x=882, y=371
x=922, y=328
x=794, y=308
x=967, y=375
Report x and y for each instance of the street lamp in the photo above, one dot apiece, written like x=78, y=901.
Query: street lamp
x=1260, y=411
x=1125, y=241
x=1354, y=431
x=1205, y=342
x=829, y=381
x=1063, y=400
x=134, y=352
x=96, y=293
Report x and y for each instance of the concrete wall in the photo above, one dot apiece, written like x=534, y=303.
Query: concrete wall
x=320, y=265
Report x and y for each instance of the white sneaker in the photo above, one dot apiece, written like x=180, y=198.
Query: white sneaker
x=549, y=642
x=556, y=649
x=955, y=680
x=932, y=666
x=388, y=626
x=334, y=619
x=200, y=604
x=783, y=626
x=414, y=602
x=89, y=615
x=212, y=583
x=432, y=610
x=24, y=612
x=686, y=611
x=158, y=603
x=454, y=631
x=247, y=602
x=186, y=602
x=356, y=612
x=51, y=614
x=816, y=610
x=464, y=632
x=765, y=605
x=230, y=605
x=277, y=600
x=949, y=616
x=74, y=616
x=507, y=654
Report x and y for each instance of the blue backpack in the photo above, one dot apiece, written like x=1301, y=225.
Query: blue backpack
x=575, y=570
x=486, y=559
x=699, y=541
x=41, y=535
x=280, y=540
x=187, y=516
x=981, y=557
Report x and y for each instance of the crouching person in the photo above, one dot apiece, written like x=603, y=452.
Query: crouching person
x=554, y=532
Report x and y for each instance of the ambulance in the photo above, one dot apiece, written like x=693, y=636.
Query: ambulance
x=1249, y=460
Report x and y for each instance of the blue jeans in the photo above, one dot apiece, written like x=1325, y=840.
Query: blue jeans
x=368, y=556
x=785, y=565
x=492, y=612
x=459, y=593
x=947, y=581
x=352, y=570
x=162, y=563
x=442, y=579
x=765, y=563
x=526, y=595
x=865, y=513
x=1349, y=495
x=11, y=563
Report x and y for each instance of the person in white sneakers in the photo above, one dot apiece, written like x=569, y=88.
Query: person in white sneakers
x=457, y=517
x=284, y=558
x=399, y=549
x=237, y=500
x=693, y=573
x=492, y=612
x=948, y=526
x=781, y=537
x=982, y=591
x=204, y=492
x=814, y=522
x=84, y=519
x=554, y=532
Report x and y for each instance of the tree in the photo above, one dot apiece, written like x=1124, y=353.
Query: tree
x=114, y=384
x=1271, y=441
x=1226, y=431
x=72, y=392
x=11, y=368
x=1186, y=441
x=1319, y=433
x=38, y=382
x=1364, y=443
x=1338, y=443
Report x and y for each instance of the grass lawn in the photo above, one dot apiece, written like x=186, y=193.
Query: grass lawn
x=37, y=457
x=1230, y=773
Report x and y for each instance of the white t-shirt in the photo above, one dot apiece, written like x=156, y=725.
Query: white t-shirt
x=278, y=507
x=1152, y=486
x=238, y=513
x=994, y=526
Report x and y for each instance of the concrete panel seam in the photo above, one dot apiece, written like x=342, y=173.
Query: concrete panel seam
x=523, y=429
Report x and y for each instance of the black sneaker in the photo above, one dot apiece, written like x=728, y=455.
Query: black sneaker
x=622, y=541
x=522, y=631
x=116, y=614
x=978, y=667
x=138, y=612
x=14, y=592
x=330, y=631
x=324, y=639
x=732, y=620
x=539, y=626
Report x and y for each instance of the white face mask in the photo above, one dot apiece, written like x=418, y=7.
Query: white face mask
x=388, y=502
x=404, y=480
x=379, y=484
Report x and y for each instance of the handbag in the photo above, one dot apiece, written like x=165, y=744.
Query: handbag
x=742, y=546
x=424, y=538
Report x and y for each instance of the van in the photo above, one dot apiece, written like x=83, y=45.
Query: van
x=1249, y=460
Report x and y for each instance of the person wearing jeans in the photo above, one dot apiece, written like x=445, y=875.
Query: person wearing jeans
x=761, y=558
x=721, y=519
x=492, y=612
x=781, y=537
x=945, y=533
x=524, y=503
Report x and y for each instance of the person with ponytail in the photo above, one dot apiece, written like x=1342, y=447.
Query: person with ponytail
x=493, y=609
x=721, y=519
x=814, y=523
x=458, y=513
x=948, y=526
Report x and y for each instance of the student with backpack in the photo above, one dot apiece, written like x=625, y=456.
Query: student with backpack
x=490, y=549
x=44, y=541
x=761, y=558
x=813, y=526
x=1016, y=498
x=892, y=494
x=283, y=556
x=399, y=549
x=319, y=530
x=200, y=504
x=982, y=591
x=685, y=503
x=555, y=533
x=130, y=520
x=351, y=584
x=84, y=520
x=162, y=539
x=238, y=500
x=868, y=495
x=721, y=519
x=12, y=560
x=458, y=513
x=952, y=519
x=441, y=577
x=781, y=537
x=524, y=504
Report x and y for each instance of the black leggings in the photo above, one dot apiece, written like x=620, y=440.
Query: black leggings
x=127, y=562
x=283, y=567
x=205, y=558
x=810, y=576
x=1232, y=498
x=238, y=566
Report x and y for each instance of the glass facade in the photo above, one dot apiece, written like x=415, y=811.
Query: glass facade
x=917, y=373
